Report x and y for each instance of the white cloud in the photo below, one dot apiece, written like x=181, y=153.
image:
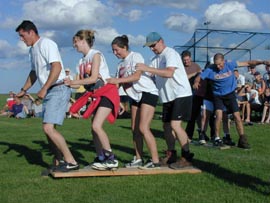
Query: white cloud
x=181, y=22
x=9, y=51
x=134, y=15
x=62, y=13
x=105, y=36
x=191, y=4
x=266, y=19
x=232, y=15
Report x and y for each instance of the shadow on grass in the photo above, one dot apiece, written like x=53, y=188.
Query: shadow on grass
x=239, y=179
x=31, y=155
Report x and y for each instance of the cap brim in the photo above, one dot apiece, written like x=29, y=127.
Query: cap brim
x=148, y=44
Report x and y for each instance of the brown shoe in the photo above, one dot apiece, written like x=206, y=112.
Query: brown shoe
x=180, y=164
x=170, y=157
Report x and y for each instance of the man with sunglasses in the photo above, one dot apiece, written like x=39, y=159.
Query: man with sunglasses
x=175, y=93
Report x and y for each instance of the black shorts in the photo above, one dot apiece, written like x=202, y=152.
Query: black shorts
x=178, y=109
x=228, y=100
x=147, y=98
x=124, y=99
x=105, y=102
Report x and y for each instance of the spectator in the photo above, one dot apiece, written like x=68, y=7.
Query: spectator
x=9, y=103
x=259, y=85
x=18, y=110
x=28, y=102
x=252, y=103
x=249, y=76
x=37, y=108
x=267, y=82
x=266, y=73
x=193, y=69
x=266, y=106
x=68, y=74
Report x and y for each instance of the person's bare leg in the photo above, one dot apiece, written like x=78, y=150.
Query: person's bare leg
x=59, y=142
x=97, y=127
x=137, y=136
x=146, y=116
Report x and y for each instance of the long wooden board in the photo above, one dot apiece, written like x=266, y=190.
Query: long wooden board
x=87, y=172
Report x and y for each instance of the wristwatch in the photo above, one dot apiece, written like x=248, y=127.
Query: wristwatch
x=23, y=90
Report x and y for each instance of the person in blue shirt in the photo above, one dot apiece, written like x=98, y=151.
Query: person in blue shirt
x=224, y=85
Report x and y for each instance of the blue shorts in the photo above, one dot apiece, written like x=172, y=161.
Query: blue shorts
x=55, y=104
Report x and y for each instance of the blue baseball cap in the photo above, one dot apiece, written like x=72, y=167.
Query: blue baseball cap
x=152, y=38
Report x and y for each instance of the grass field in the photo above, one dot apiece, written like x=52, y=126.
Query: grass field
x=232, y=175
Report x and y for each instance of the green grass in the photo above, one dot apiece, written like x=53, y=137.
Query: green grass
x=232, y=175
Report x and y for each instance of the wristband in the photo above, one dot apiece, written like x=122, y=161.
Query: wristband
x=23, y=90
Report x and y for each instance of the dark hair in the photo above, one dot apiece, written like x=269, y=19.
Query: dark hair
x=27, y=25
x=121, y=41
x=218, y=56
x=185, y=53
x=88, y=35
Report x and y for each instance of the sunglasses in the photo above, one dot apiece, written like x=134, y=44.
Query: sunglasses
x=153, y=45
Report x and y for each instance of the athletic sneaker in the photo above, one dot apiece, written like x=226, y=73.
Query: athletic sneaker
x=228, y=141
x=170, y=157
x=135, y=163
x=202, y=140
x=180, y=164
x=187, y=155
x=150, y=166
x=65, y=167
x=218, y=142
x=243, y=143
x=107, y=164
x=96, y=160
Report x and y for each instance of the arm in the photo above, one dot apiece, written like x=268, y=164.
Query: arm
x=31, y=79
x=249, y=63
x=165, y=73
x=131, y=78
x=53, y=76
x=196, y=83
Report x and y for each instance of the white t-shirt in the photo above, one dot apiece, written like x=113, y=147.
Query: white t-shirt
x=240, y=80
x=254, y=100
x=42, y=54
x=85, y=65
x=37, y=108
x=178, y=85
x=134, y=90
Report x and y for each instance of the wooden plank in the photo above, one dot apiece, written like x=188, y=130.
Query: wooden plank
x=87, y=172
x=210, y=145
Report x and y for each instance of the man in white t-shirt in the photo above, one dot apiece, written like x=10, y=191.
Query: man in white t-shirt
x=48, y=69
x=175, y=93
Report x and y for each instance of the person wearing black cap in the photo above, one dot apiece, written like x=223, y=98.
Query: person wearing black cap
x=175, y=93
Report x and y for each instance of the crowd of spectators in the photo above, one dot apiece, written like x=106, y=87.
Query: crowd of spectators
x=25, y=107
x=253, y=91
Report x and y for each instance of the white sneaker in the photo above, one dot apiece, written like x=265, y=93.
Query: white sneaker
x=107, y=164
x=202, y=142
x=135, y=163
x=150, y=166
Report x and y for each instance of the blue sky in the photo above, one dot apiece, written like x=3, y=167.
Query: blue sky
x=59, y=20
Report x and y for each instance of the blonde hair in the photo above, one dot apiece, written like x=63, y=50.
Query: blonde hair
x=88, y=35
